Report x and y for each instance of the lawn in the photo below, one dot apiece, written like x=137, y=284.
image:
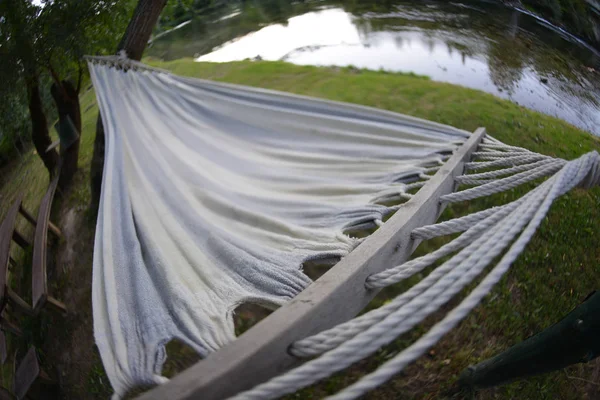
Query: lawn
x=555, y=273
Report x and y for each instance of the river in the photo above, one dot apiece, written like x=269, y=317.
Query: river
x=478, y=44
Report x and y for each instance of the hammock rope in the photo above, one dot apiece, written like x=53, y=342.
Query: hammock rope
x=493, y=230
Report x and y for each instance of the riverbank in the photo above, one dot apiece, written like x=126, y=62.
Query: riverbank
x=556, y=272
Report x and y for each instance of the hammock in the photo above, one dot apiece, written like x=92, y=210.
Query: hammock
x=215, y=195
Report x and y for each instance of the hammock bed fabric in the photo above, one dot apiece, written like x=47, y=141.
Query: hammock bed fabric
x=214, y=195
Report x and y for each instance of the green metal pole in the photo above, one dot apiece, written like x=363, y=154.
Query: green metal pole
x=575, y=339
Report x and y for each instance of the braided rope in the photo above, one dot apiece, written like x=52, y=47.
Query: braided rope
x=593, y=178
x=497, y=145
x=504, y=184
x=451, y=226
x=392, y=367
x=505, y=162
x=496, y=155
x=394, y=324
x=331, y=338
x=467, y=179
x=487, y=234
x=451, y=277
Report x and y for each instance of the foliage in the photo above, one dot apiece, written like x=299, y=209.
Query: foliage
x=73, y=28
x=175, y=12
x=178, y=11
x=13, y=104
x=56, y=35
x=14, y=121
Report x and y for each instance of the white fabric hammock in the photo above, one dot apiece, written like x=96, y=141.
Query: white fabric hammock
x=214, y=195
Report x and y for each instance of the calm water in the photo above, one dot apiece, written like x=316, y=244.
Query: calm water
x=481, y=45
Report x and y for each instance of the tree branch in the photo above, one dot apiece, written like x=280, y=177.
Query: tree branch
x=56, y=79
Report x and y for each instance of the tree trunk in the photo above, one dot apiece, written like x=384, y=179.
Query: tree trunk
x=66, y=99
x=134, y=42
x=39, y=126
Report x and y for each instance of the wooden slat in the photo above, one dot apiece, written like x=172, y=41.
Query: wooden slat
x=56, y=304
x=17, y=302
x=51, y=227
x=337, y=296
x=20, y=239
x=6, y=234
x=54, y=229
x=27, y=215
x=39, y=284
x=26, y=373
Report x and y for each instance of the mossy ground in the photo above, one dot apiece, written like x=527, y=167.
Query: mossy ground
x=556, y=272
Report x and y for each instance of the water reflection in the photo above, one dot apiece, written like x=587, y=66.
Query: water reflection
x=313, y=30
x=473, y=44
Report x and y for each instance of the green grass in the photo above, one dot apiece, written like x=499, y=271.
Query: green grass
x=556, y=272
